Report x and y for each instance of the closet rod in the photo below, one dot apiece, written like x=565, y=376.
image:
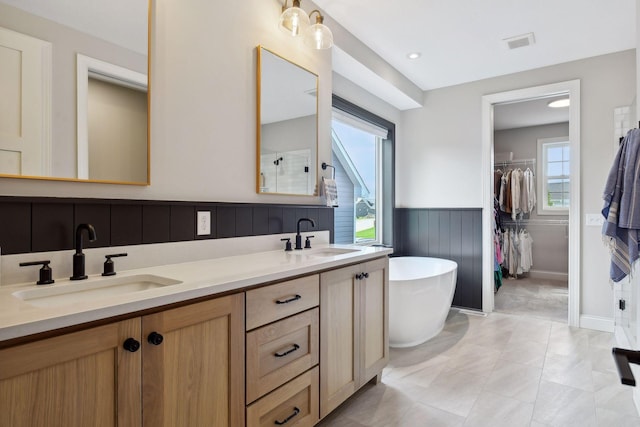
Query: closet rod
x=536, y=222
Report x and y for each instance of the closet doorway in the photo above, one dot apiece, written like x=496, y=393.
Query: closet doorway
x=538, y=234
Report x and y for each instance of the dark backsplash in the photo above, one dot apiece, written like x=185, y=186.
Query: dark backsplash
x=37, y=224
x=454, y=234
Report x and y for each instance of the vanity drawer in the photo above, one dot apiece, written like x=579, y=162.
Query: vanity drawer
x=281, y=351
x=296, y=401
x=274, y=302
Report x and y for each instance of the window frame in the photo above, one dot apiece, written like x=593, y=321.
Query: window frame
x=385, y=180
x=543, y=144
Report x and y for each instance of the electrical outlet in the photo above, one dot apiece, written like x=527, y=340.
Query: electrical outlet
x=204, y=223
x=594, y=220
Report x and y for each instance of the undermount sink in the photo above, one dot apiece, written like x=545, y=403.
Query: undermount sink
x=91, y=290
x=325, y=252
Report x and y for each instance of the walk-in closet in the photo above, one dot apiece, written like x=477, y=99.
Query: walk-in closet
x=531, y=167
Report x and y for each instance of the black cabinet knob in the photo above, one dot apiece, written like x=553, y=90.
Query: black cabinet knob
x=131, y=344
x=155, y=338
x=366, y=275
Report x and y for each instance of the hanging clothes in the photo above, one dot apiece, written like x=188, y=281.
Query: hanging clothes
x=497, y=181
x=507, y=194
x=525, y=243
x=516, y=193
x=529, y=187
x=517, y=251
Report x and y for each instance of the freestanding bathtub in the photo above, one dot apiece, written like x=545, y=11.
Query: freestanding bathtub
x=420, y=294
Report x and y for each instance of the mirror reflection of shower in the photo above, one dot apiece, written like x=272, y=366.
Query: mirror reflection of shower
x=286, y=172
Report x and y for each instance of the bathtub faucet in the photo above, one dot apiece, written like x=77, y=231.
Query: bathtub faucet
x=298, y=236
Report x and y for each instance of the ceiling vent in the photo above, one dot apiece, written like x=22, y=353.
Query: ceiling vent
x=520, y=41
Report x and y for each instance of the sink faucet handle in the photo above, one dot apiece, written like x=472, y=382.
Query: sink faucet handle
x=109, y=266
x=288, y=245
x=46, y=273
x=307, y=242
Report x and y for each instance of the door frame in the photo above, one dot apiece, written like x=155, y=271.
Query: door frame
x=571, y=87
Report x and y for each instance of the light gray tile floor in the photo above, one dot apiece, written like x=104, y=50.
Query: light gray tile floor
x=499, y=370
x=547, y=299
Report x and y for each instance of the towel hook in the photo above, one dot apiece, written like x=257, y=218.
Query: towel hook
x=333, y=172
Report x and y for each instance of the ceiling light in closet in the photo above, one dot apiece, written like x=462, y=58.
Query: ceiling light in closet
x=414, y=55
x=559, y=103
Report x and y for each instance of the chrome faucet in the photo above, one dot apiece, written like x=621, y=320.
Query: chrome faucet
x=78, y=257
x=298, y=236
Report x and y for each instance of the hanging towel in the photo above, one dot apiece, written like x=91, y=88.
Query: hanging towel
x=621, y=228
x=330, y=190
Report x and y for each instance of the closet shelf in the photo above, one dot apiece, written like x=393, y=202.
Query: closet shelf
x=515, y=162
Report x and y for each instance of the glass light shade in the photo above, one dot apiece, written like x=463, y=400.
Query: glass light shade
x=294, y=21
x=318, y=36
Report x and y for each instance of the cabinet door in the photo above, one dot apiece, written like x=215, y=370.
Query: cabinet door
x=79, y=379
x=374, y=320
x=339, y=346
x=193, y=367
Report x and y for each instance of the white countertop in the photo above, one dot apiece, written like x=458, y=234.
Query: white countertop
x=18, y=318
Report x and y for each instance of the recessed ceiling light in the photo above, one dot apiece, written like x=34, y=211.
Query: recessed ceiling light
x=414, y=55
x=559, y=103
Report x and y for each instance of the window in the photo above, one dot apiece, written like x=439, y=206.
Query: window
x=362, y=155
x=554, y=165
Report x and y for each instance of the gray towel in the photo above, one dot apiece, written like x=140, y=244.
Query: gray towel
x=621, y=229
x=330, y=189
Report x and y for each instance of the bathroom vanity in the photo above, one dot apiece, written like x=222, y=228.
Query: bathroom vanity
x=269, y=338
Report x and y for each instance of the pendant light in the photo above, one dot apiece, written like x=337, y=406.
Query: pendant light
x=293, y=20
x=318, y=35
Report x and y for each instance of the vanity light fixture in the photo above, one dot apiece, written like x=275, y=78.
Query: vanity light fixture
x=559, y=103
x=318, y=35
x=295, y=22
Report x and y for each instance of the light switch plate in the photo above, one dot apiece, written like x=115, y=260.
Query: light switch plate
x=204, y=223
x=594, y=220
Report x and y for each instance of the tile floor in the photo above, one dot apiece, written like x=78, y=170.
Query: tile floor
x=547, y=299
x=500, y=370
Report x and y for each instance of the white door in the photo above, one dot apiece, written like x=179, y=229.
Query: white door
x=25, y=98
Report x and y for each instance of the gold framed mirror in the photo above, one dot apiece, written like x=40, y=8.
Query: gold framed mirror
x=287, y=126
x=76, y=78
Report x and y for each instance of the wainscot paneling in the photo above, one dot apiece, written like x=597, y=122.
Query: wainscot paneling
x=36, y=224
x=454, y=234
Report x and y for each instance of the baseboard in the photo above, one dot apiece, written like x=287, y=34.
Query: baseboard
x=548, y=275
x=604, y=324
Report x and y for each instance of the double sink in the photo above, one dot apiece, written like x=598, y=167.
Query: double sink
x=94, y=289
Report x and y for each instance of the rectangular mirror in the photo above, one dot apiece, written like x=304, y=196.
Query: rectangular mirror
x=287, y=126
x=76, y=78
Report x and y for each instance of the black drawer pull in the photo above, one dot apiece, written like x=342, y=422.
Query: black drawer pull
x=292, y=299
x=296, y=411
x=291, y=350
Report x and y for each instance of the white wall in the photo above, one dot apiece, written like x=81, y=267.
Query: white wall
x=117, y=132
x=441, y=150
x=203, y=104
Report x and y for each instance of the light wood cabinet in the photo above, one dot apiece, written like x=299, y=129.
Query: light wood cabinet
x=278, y=352
x=293, y=404
x=282, y=344
x=354, y=343
x=187, y=371
x=311, y=342
x=195, y=376
x=79, y=379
